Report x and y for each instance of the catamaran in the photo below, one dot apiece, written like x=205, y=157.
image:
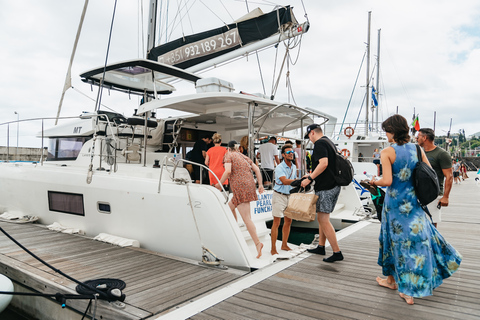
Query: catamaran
x=124, y=179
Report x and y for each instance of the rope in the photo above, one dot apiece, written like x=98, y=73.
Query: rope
x=100, y=89
x=351, y=95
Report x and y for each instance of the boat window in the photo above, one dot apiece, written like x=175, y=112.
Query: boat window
x=65, y=148
x=103, y=207
x=66, y=202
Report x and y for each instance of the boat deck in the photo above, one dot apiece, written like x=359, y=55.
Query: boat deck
x=160, y=287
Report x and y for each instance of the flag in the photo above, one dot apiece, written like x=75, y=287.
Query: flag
x=416, y=124
x=374, y=97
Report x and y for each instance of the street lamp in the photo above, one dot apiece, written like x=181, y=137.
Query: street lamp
x=18, y=120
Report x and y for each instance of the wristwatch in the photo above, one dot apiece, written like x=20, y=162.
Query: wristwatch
x=310, y=178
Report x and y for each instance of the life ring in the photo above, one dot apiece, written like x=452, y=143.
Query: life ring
x=349, y=131
x=345, y=152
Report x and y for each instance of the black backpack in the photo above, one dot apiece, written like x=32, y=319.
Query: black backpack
x=425, y=181
x=343, y=169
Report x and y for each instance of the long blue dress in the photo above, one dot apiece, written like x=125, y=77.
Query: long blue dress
x=411, y=248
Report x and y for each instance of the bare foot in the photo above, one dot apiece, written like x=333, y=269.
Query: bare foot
x=386, y=284
x=273, y=252
x=408, y=299
x=259, y=247
x=286, y=248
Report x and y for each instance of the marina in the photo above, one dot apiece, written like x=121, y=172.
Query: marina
x=304, y=287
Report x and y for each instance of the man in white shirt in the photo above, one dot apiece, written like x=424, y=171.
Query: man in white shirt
x=268, y=154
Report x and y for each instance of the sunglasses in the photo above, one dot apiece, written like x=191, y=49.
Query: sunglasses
x=288, y=152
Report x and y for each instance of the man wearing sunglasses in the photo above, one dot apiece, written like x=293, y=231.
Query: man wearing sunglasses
x=285, y=174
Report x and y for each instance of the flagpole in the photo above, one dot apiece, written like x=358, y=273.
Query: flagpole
x=378, y=80
x=368, y=74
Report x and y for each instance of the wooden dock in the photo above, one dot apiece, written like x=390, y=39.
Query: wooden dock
x=159, y=287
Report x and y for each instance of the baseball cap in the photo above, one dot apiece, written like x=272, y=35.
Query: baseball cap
x=232, y=144
x=310, y=128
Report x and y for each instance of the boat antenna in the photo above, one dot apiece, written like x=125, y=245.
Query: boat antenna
x=68, y=77
x=100, y=87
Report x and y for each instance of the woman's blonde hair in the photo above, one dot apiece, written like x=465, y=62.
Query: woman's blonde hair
x=217, y=138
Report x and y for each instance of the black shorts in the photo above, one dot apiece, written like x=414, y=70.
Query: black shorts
x=267, y=175
x=456, y=174
x=376, y=161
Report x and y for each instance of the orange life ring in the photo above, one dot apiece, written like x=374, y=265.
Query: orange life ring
x=345, y=152
x=349, y=131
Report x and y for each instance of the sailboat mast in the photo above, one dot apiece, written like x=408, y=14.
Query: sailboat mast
x=152, y=22
x=368, y=74
x=378, y=81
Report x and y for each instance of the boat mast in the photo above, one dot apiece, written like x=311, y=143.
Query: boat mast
x=378, y=81
x=152, y=22
x=368, y=74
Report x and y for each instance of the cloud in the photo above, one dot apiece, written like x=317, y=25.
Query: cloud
x=429, y=56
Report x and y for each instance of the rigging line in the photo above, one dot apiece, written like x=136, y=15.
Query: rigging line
x=100, y=88
x=227, y=10
x=351, y=95
x=173, y=23
x=274, y=69
x=85, y=95
x=180, y=20
x=213, y=12
x=246, y=4
x=304, y=10
x=297, y=42
x=260, y=70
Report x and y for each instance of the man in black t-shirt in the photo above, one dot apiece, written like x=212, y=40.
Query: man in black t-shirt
x=323, y=160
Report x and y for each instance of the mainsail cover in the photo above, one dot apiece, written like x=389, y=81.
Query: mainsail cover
x=191, y=50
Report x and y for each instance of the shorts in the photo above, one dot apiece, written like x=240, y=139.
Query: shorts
x=456, y=174
x=327, y=199
x=279, y=204
x=376, y=161
x=434, y=211
x=267, y=175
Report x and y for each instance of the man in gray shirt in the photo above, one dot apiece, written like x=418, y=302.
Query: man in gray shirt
x=442, y=164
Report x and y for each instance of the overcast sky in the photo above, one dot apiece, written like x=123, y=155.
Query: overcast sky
x=430, y=56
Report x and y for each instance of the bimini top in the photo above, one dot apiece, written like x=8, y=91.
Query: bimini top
x=231, y=110
x=135, y=76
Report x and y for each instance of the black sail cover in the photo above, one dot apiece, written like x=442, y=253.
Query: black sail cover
x=191, y=50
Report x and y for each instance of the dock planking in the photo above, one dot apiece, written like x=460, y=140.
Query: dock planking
x=154, y=282
x=313, y=289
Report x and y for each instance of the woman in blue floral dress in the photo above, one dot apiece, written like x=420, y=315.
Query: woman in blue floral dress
x=413, y=254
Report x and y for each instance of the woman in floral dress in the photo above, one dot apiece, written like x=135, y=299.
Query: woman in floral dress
x=238, y=170
x=413, y=254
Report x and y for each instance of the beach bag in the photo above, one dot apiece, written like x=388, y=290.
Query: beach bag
x=301, y=206
x=425, y=181
x=342, y=168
